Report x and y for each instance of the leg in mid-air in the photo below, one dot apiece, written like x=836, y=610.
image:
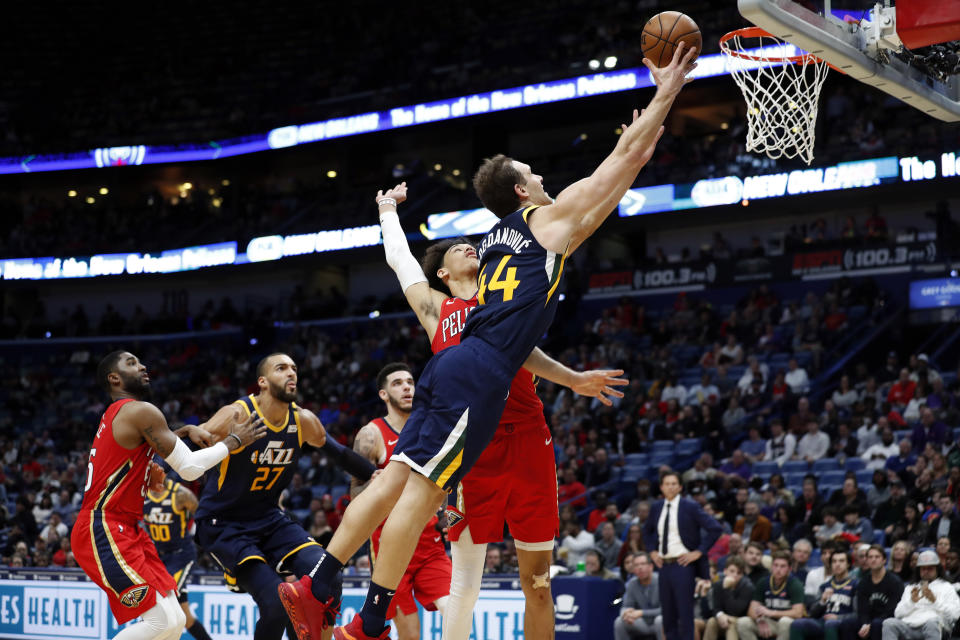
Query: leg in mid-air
x=164, y=621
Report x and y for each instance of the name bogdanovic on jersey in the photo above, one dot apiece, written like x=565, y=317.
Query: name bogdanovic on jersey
x=518, y=280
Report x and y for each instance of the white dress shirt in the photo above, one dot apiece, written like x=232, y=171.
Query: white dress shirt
x=946, y=609
x=798, y=380
x=814, y=445
x=883, y=452
x=674, y=543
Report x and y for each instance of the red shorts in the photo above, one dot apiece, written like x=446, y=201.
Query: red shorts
x=513, y=482
x=121, y=558
x=427, y=577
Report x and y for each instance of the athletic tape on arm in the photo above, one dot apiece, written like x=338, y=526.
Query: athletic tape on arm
x=191, y=464
x=398, y=253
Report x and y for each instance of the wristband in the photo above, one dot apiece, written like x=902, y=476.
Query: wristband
x=390, y=201
x=237, y=438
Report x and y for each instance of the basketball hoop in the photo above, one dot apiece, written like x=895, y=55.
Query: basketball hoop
x=781, y=93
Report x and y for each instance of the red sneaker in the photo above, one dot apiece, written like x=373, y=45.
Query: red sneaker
x=308, y=615
x=354, y=631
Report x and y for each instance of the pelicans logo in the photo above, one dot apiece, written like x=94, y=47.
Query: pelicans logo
x=134, y=596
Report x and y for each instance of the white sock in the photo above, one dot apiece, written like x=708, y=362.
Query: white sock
x=163, y=621
x=468, y=561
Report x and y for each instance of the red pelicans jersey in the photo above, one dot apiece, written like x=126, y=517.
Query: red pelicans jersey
x=116, y=477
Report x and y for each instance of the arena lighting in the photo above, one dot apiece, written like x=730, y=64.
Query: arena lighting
x=645, y=200
x=293, y=135
x=610, y=62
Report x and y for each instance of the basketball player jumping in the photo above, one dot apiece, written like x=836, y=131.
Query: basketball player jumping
x=463, y=389
x=515, y=479
x=107, y=541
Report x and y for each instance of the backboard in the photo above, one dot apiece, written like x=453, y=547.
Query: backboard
x=870, y=49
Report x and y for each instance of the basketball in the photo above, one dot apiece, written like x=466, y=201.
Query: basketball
x=664, y=31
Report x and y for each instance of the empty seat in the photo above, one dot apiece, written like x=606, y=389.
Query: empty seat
x=825, y=464
x=765, y=469
x=795, y=466
x=854, y=464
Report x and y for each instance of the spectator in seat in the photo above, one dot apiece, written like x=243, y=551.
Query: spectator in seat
x=904, y=457
x=755, y=371
x=633, y=543
x=731, y=598
x=878, y=593
x=890, y=513
x=640, y=613
x=947, y=524
x=876, y=455
x=753, y=559
x=596, y=566
x=733, y=417
x=575, y=544
x=832, y=615
x=597, y=468
x=674, y=391
x=929, y=430
x=776, y=603
x=799, y=558
x=846, y=396
x=572, y=489
x=753, y=526
x=902, y=390
x=55, y=527
x=856, y=525
x=879, y=491
x=736, y=465
x=608, y=544
x=731, y=352
x=928, y=608
x=705, y=392
x=923, y=371
x=912, y=528
x=493, y=562
x=850, y=493
x=808, y=510
x=781, y=445
x=844, y=444
x=605, y=511
x=754, y=448
x=797, y=378
x=831, y=527
x=814, y=444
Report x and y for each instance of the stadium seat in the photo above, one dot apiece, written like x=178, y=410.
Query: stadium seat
x=318, y=490
x=900, y=434
x=865, y=476
x=815, y=560
x=633, y=459
x=835, y=477
x=660, y=459
x=825, y=464
x=338, y=492
x=794, y=479
x=795, y=466
x=765, y=469
x=854, y=464
x=690, y=446
x=660, y=446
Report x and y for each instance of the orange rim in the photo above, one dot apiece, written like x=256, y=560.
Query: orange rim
x=757, y=32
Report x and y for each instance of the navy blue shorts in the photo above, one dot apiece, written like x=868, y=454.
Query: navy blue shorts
x=458, y=403
x=179, y=563
x=272, y=538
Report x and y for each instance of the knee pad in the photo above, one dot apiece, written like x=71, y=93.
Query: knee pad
x=541, y=580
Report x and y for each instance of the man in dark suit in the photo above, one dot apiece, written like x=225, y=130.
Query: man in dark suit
x=679, y=550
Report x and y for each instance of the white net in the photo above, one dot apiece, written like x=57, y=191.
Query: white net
x=781, y=95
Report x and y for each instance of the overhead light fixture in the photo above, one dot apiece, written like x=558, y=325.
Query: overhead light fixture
x=437, y=167
x=331, y=174
x=594, y=64
x=455, y=172
x=72, y=193
x=186, y=186
x=90, y=200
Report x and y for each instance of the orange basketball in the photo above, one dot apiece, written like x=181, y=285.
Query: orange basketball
x=664, y=31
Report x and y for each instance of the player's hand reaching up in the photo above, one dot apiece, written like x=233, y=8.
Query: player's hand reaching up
x=599, y=384
x=672, y=77
x=398, y=193
x=245, y=432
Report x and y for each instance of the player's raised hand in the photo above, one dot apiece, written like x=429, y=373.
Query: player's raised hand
x=599, y=384
x=398, y=193
x=672, y=77
x=199, y=435
x=247, y=431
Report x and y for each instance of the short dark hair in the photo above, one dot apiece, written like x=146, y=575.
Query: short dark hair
x=393, y=367
x=670, y=472
x=737, y=561
x=263, y=363
x=756, y=545
x=879, y=548
x=599, y=557
x=851, y=508
x=831, y=511
x=107, y=366
x=433, y=260
x=780, y=555
x=494, y=182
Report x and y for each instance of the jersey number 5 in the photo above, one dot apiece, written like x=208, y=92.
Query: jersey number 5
x=498, y=282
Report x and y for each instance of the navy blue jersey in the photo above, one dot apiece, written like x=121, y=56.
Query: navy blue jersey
x=166, y=521
x=249, y=481
x=844, y=595
x=518, y=282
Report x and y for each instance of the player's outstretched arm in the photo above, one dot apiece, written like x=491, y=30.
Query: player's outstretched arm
x=597, y=384
x=583, y=206
x=348, y=460
x=424, y=300
x=149, y=421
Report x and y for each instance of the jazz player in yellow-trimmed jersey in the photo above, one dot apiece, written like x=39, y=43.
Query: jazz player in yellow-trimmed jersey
x=240, y=522
x=167, y=516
